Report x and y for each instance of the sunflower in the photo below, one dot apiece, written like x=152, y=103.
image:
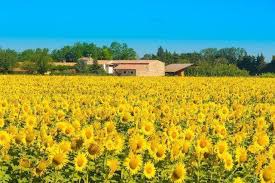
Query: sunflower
x=175, y=151
x=80, y=162
x=261, y=123
x=228, y=161
x=179, y=173
x=149, y=170
x=41, y=167
x=24, y=163
x=241, y=155
x=110, y=127
x=221, y=148
x=148, y=128
x=5, y=138
x=69, y=129
x=113, y=165
x=188, y=134
x=272, y=152
x=137, y=143
x=160, y=153
x=77, y=143
x=238, y=180
x=185, y=147
x=94, y=150
x=201, y=117
x=30, y=135
x=118, y=141
x=65, y=146
x=2, y=123
x=267, y=175
x=31, y=121
x=173, y=133
x=133, y=163
x=87, y=133
x=261, y=140
x=203, y=145
x=59, y=159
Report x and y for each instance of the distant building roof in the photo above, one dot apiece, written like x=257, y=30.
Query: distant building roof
x=101, y=62
x=131, y=67
x=176, y=67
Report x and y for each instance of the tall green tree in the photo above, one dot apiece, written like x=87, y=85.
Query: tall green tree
x=260, y=63
x=8, y=59
x=26, y=55
x=41, y=60
x=122, y=51
x=106, y=53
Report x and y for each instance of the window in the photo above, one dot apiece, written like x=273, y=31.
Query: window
x=124, y=72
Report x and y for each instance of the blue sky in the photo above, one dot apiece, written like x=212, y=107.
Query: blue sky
x=144, y=24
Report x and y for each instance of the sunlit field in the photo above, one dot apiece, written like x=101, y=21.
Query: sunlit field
x=134, y=129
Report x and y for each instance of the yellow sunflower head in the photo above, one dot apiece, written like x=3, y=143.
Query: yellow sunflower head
x=179, y=173
x=133, y=163
x=80, y=162
x=59, y=159
x=113, y=165
x=149, y=170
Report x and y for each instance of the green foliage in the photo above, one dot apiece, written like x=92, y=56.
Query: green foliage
x=207, y=69
x=213, y=56
x=61, y=67
x=38, y=60
x=8, y=60
x=26, y=55
x=41, y=59
x=270, y=67
x=268, y=75
x=122, y=52
x=81, y=66
x=97, y=69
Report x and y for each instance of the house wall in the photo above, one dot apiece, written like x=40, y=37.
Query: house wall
x=124, y=72
x=152, y=69
x=109, y=69
x=156, y=69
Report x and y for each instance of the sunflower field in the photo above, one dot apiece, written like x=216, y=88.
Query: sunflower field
x=136, y=129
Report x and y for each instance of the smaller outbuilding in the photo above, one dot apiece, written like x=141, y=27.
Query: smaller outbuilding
x=176, y=69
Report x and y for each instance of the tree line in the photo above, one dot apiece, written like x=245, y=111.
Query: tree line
x=213, y=61
x=208, y=62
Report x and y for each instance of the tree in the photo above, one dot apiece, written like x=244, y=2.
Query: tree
x=260, y=63
x=26, y=55
x=41, y=59
x=148, y=57
x=248, y=63
x=106, y=53
x=97, y=69
x=161, y=53
x=210, y=53
x=81, y=66
x=270, y=67
x=8, y=59
x=122, y=52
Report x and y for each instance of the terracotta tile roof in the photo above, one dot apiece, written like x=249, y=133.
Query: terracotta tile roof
x=126, y=61
x=131, y=67
x=176, y=67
